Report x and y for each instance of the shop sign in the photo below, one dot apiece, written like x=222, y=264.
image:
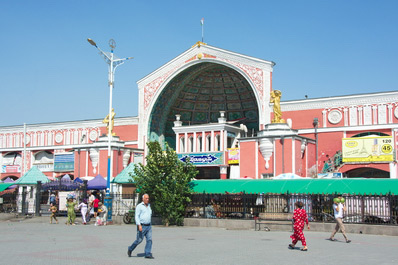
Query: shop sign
x=10, y=169
x=64, y=162
x=45, y=167
x=203, y=159
x=368, y=149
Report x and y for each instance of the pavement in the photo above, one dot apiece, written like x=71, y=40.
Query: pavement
x=30, y=242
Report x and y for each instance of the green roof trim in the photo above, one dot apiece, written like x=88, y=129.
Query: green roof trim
x=124, y=176
x=32, y=177
x=325, y=186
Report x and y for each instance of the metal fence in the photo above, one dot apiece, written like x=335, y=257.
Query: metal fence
x=359, y=209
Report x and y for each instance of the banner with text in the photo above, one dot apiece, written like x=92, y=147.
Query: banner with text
x=203, y=159
x=368, y=149
x=233, y=156
x=64, y=162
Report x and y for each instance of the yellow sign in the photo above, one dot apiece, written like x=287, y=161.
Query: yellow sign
x=233, y=156
x=368, y=149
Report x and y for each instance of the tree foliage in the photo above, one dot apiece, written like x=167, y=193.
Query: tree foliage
x=167, y=181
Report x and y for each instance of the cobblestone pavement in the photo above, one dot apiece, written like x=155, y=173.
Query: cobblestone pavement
x=43, y=243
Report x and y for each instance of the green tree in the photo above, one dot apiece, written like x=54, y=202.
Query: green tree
x=167, y=181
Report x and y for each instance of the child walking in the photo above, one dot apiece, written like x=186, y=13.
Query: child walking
x=53, y=210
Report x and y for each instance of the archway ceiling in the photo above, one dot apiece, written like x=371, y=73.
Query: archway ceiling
x=199, y=93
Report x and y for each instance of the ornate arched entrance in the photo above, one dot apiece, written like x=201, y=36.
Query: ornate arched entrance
x=198, y=94
x=197, y=85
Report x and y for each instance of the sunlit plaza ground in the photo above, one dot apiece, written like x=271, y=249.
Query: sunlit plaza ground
x=34, y=242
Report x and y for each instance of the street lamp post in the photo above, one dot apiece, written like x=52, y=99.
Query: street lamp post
x=113, y=62
x=315, y=123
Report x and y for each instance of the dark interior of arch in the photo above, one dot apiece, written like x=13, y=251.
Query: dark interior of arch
x=198, y=94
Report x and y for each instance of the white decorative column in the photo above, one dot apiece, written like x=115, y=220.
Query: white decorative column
x=212, y=142
x=126, y=157
x=194, y=142
x=374, y=109
x=203, y=147
x=324, y=112
x=94, y=156
x=266, y=147
x=360, y=116
x=345, y=116
x=186, y=143
x=389, y=106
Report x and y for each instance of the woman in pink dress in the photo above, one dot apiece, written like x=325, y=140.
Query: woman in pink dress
x=300, y=219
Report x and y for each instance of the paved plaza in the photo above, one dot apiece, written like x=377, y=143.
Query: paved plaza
x=33, y=242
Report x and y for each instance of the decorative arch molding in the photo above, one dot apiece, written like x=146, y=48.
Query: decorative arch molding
x=256, y=72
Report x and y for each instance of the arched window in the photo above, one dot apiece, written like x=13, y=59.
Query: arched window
x=208, y=143
x=182, y=144
x=218, y=142
x=190, y=144
x=199, y=146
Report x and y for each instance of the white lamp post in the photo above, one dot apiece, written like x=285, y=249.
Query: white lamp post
x=113, y=62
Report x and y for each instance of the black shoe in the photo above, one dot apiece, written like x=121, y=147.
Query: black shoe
x=348, y=241
x=129, y=252
x=149, y=257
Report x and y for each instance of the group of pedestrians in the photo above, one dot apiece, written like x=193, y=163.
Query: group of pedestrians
x=300, y=219
x=87, y=207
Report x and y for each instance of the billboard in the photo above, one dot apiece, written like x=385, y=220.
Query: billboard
x=64, y=162
x=233, y=156
x=368, y=149
x=203, y=159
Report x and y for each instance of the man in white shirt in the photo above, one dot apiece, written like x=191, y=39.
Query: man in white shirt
x=339, y=209
x=143, y=215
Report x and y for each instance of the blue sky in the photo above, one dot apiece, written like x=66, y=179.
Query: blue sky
x=50, y=73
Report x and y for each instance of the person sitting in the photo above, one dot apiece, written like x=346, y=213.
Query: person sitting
x=102, y=214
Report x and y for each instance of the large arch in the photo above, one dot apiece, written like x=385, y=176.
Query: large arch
x=198, y=93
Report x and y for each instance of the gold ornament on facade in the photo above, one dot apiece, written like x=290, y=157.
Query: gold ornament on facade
x=199, y=43
x=200, y=56
x=110, y=122
x=276, y=99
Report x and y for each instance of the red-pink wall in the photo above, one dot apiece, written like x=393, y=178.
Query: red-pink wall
x=247, y=163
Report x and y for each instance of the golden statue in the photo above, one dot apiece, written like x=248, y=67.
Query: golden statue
x=110, y=124
x=276, y=99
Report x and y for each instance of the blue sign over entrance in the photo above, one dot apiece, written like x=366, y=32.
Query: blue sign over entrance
x=203, y=159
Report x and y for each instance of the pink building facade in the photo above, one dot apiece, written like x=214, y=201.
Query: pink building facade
x=213, y=107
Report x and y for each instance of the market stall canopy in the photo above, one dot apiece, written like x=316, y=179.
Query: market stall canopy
x=97, y=183
x=88, y=178
x=4, y=186
x=78, y=180
x=66, y=178
x=288, y=176
x=325, y=186
x=10, y=180
x=32, y=177
x=125, y=176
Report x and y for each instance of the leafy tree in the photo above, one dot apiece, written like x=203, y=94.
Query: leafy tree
x=167, y=181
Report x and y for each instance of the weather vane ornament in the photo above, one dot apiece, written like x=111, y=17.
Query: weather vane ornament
x=276, y=99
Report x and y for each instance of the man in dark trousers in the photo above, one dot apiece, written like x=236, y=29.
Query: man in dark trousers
x=143, y=215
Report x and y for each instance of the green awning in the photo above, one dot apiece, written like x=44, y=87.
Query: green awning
x=124, y=176
x=4, y=186
x=32, y=177
x=326, y=186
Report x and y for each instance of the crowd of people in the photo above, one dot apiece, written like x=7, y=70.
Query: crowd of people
x=91, y=207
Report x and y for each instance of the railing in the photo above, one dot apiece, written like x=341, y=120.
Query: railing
x=319, y=207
